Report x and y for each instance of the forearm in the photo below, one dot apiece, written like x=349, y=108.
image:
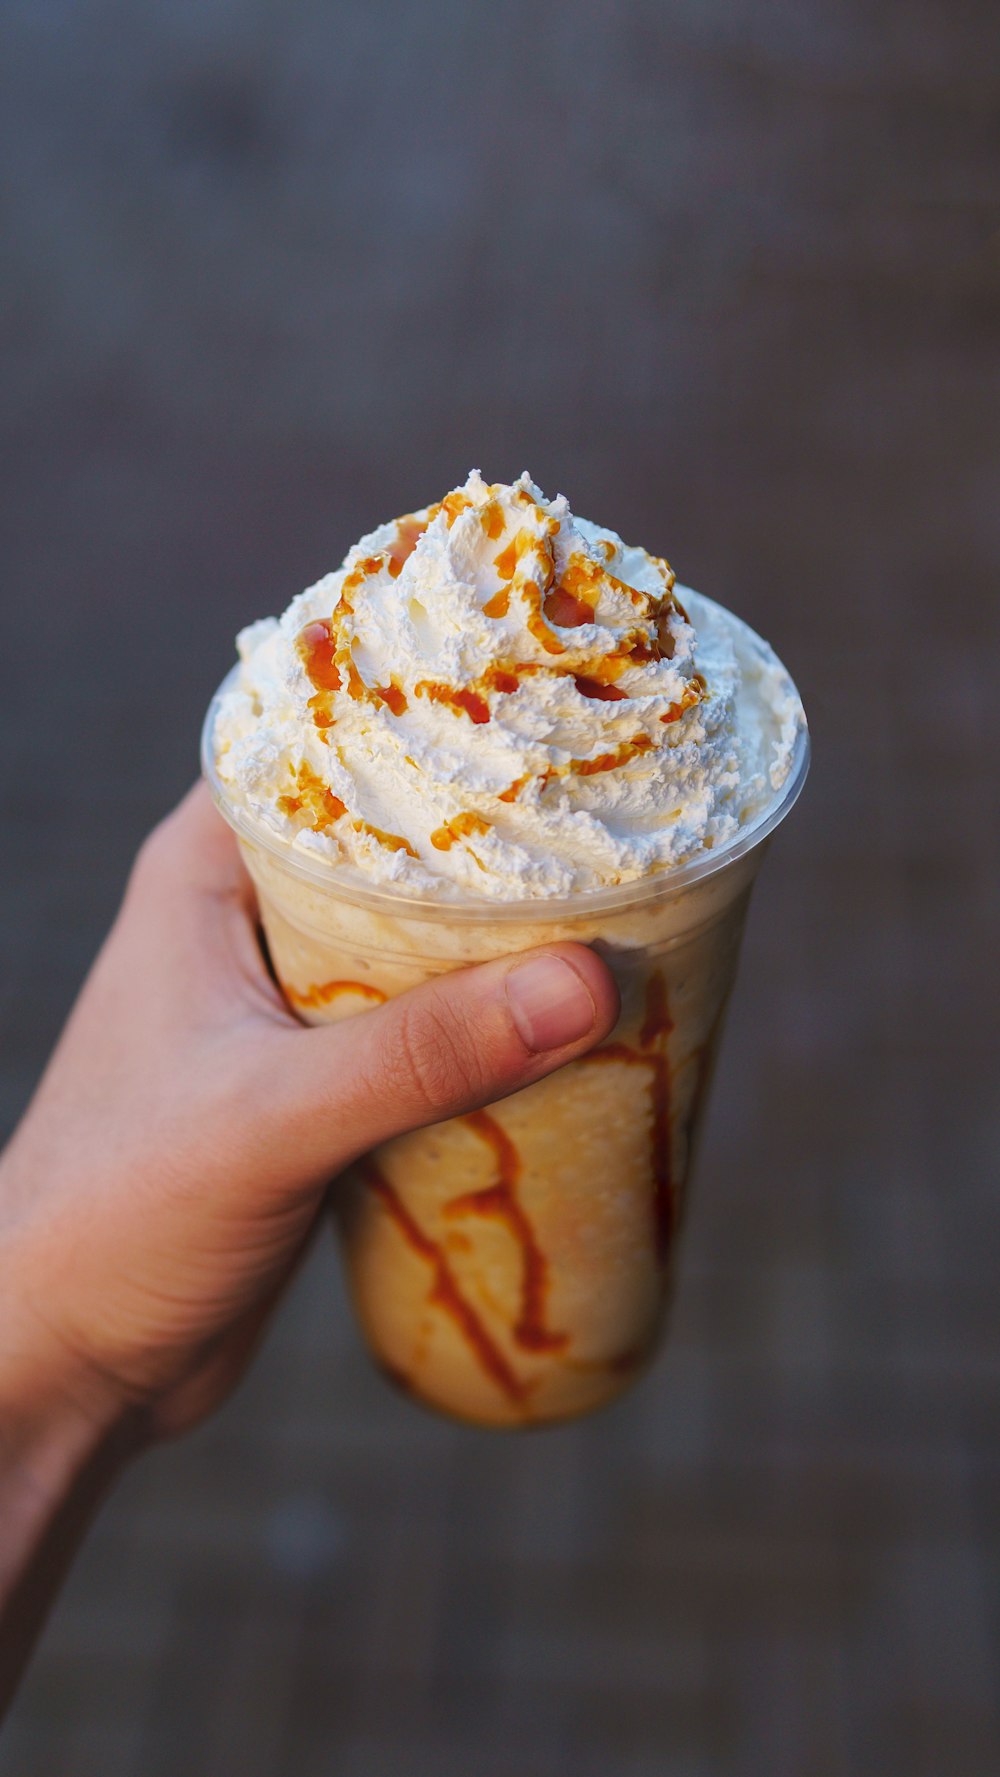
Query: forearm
x=57, y=1460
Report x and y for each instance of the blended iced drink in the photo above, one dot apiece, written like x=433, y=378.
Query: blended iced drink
x=497, y=726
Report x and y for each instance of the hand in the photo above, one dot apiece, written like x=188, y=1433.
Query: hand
x=173, y=1165
x=174, y=1162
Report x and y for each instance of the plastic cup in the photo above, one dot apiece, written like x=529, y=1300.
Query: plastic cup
x=514, y=1266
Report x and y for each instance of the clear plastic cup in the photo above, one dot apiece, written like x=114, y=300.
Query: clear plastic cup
x=514, y=1266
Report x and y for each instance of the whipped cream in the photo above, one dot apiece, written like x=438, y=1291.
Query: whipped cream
x=494, y=698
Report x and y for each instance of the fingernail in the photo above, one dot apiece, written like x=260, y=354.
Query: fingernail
x=549, y=1003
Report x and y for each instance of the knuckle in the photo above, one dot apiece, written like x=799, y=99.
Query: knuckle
x=431, y=1059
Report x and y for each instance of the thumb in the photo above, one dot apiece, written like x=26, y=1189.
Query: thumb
x=447, y=1047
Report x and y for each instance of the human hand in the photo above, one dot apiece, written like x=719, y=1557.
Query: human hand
x=175, y=1159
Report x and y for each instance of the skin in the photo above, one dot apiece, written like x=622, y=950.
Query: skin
x=173, y=1165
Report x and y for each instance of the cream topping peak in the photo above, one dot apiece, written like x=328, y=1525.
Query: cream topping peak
x=495, y=695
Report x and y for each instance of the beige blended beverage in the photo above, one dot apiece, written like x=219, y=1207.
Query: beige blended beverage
x=402, y=814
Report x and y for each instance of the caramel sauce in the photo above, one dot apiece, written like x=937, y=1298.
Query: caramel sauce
x=564, y=608
x=656, y=1027
x=451, y=506
x=322, y=715
x=391, y=841
x=321, y=808
x=467, y=701
x=663, y=1203
x=409, y=531
x=594, y=688
x=491, y=519
x=323, y=993
x=502, y=678
x=328, y=660
x=664, y=635
x=330, y=665
x=506, y=562
x=443, y=838
x=445, y=1292
x=622, y=755
x=361, y=571
x=499, y=604
x=316, y=644
x=356, y=687
x=500, y=1201
x=669, y=577
x=313, y=799
x=694, y=694
x=513, y=790
x=629, y=749
x=392, y=696
x=585, y=578
x=536, y=621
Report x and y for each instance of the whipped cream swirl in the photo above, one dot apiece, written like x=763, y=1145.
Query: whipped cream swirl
x=495, y=698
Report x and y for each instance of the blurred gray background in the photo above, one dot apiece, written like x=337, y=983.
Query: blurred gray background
x=727, y=273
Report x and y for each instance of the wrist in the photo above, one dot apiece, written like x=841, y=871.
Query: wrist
x=56, y=1424
x=58, y=1457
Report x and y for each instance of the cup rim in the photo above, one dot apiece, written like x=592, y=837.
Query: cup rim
x=348, y=884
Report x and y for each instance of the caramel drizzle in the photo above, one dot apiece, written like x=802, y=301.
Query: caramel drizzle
x=526, y=543
x=325, y=992
x=622, y=755
x=409, y=531
x=562, y=607
x=656, y=1028
x=445, y=1292
x=391, y=841
x=693, y=695
x=443, y=838
x=327, y=657
x=451, y=506
x=499, y=604
x=316, y=645
x=585, y=578
x=392, y=696
x=593, y=674
x=329, y=662
x=492, y=520
x=506, y=562
x=594, y=688
x=316, y=802
x=535, y=619
x=513, y=790
x=464, y=701
x=501, y=1201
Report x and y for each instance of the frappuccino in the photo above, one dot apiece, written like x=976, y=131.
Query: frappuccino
x=494, y=727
